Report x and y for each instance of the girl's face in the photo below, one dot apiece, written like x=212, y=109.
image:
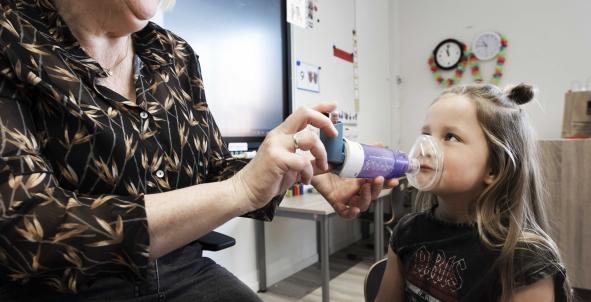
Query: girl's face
x=452, y=121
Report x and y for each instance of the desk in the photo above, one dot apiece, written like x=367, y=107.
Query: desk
x=315, y=207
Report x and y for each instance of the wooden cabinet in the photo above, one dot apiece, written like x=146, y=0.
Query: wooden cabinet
x=567, y=167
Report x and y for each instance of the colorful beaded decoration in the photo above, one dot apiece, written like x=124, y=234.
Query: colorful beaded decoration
x=458, y=73
x=475, y=68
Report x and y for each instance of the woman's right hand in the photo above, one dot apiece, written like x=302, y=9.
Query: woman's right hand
x=276, y=166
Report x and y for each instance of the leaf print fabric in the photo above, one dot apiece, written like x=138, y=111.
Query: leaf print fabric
x=76, y=158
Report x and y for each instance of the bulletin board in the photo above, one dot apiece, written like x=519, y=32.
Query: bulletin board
x=333, y=27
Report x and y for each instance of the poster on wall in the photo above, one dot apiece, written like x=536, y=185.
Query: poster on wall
x=308, y=77
x=296, y=12
x=311, y=12
x=302, y=13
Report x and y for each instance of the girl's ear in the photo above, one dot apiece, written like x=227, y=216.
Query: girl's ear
x=490, y=177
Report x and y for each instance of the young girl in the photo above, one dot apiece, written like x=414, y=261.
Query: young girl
x=481, y=233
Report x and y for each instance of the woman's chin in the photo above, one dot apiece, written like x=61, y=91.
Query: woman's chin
x=143, y=10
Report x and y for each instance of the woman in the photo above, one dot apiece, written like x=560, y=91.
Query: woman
x=111, y=164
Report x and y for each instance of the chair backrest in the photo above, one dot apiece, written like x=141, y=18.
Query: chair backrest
x=402, y=201
x=374, y=279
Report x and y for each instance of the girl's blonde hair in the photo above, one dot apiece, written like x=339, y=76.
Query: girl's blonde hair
x=509, y=213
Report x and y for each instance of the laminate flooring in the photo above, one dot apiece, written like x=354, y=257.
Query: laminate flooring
x=348, y=268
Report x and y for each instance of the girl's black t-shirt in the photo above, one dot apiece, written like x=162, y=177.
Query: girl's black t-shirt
x=448, y=262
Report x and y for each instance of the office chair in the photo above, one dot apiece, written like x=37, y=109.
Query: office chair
x=373, y=279
x=214, y=241
x=401, y=202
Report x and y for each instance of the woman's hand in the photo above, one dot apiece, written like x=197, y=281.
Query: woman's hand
x=350, y=196
x=276, y=166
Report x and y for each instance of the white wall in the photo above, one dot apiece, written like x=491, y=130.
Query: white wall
x=549, y=46
x=394, y=62
x=376, y=104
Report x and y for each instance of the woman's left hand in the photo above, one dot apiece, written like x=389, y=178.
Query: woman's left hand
x=350, y=196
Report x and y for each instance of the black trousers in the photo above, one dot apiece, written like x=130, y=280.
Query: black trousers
x=182, y=275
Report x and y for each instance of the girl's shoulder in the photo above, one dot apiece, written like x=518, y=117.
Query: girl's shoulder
x=536, y=261
x=409, y=219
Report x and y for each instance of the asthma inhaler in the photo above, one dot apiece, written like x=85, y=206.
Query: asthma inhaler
x=422, y=165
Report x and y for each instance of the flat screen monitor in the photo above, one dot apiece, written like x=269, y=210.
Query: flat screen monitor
x=243, y=50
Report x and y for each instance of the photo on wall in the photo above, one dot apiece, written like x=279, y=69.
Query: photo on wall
x=308, y=77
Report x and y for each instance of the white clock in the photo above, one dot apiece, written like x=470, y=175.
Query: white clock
x=486, y=46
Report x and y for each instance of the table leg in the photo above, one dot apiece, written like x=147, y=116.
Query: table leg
x=324, y=258
x=318, y=240
x=261, y=255
x=378, y=220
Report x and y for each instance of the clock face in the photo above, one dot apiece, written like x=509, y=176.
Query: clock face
x=448, y=54
x=486, y=46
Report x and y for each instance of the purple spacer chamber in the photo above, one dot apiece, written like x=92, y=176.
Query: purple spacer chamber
x=383, y=162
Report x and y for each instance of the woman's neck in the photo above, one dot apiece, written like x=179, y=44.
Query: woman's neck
x=98, y=28
x=104, y=34
x=90, y=20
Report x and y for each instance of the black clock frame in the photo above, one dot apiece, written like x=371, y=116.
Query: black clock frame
x=460, y=44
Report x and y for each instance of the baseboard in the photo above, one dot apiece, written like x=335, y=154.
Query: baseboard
x=251, y=280
x=285, y=267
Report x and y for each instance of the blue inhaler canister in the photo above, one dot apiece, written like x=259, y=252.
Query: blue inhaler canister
x=335, y=146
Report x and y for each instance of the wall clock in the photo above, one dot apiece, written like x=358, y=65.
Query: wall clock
x=486, y=46
x=448, y=54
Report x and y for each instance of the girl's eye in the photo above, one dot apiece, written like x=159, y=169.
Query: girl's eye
x=452, y=137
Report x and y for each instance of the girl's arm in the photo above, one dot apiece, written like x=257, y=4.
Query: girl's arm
x=541, y=291
x=392, y=287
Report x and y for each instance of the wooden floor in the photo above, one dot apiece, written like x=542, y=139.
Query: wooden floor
x=348, y=268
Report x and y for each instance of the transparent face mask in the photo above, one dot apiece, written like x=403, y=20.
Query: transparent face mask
x=426, y=157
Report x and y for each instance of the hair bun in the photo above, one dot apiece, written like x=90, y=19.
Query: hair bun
x=521, y=93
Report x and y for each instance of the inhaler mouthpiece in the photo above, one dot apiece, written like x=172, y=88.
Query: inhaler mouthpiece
x=422, y=166
x=428, y=156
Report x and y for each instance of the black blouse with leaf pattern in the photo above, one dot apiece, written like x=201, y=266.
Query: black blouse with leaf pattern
x=76, y=158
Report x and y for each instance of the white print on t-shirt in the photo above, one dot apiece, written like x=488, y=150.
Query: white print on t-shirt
x=419, y=293
x=436, y=273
